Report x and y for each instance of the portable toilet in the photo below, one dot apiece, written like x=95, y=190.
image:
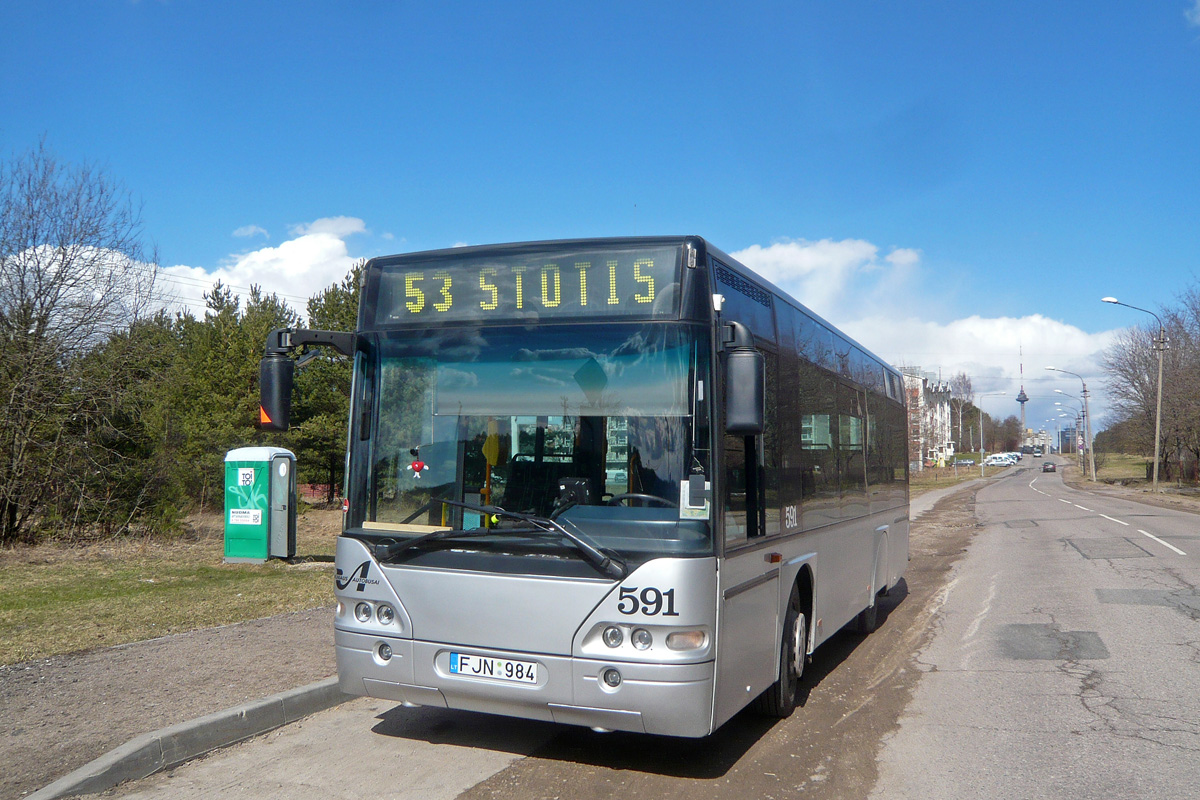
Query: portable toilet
x=260, y=504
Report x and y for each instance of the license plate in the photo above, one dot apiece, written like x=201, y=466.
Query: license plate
x=500, y=669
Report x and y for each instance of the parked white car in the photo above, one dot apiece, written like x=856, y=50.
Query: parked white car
x=999, y=460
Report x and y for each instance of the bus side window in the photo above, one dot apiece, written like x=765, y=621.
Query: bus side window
x=734, y=502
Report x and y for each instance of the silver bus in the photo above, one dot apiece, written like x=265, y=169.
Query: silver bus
x=620, y=483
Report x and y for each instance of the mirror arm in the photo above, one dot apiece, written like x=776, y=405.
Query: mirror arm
x=283, y=341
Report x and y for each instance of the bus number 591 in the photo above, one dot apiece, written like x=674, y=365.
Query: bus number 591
x=650, y=602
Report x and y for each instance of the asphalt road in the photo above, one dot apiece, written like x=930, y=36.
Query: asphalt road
x=1044, y=644
x=1066, y=660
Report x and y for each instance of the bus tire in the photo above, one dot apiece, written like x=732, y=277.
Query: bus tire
x=779, y=700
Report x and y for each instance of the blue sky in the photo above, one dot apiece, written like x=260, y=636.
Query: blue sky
x=952, y=183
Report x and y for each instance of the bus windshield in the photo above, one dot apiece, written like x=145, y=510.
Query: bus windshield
x=597, y=426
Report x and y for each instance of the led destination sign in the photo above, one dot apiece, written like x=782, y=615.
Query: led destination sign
x=628, y=284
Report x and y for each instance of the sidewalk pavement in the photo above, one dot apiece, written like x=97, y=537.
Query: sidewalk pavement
x=171, y=746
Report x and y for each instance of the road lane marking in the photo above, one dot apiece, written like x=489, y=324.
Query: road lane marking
x=1164, y=544
x=1113, y=519
x=1068, y=502
x=1079, y=506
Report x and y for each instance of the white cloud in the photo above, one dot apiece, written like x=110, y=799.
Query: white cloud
x=904, y=257
x=339, y=227
x=247, y=231
x=295, y=270
x=822, y=274
x=1193, y=14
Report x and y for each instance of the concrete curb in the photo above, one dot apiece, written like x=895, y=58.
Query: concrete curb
x=169, y=747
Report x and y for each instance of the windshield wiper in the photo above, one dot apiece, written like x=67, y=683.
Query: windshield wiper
x=609, y=566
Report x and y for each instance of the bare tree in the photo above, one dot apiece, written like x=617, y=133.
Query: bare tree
x=73, y=272
x=1131, y=366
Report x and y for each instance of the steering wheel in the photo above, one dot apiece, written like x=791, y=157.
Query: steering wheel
x=616, y=499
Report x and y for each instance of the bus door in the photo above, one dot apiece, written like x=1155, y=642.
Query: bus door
x=747, y=649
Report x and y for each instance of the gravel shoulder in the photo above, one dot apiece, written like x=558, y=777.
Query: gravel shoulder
x=60, y=713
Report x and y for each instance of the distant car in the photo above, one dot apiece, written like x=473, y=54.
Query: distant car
x=964, y=462
x=1049, y=467
x=999, y=460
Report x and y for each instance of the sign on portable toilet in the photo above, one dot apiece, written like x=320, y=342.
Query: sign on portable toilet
x=260, y=504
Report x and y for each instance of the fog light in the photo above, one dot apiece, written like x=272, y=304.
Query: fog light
x=686, y=640
x=362, y=612
x=386, y=614
x=385, y=652
x=642, y=639
x=612, y=678
x=613, y=636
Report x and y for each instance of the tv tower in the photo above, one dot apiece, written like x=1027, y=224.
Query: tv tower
x=1022, y=398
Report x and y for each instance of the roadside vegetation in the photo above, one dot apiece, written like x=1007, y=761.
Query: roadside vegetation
x=932, y=478
x=116, y=414
x=1132, y=364
x=59, y=597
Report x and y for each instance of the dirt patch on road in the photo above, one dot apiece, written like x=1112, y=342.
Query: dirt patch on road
x=853, y=695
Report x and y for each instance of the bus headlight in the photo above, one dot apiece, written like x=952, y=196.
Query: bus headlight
x=362, y=612
x=385, y=652
x=686, y=640
x=386, y=614
x=611, y=678
x=612, y=636
x=642, y=639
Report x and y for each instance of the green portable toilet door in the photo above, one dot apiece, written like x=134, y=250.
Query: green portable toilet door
x=283, y=507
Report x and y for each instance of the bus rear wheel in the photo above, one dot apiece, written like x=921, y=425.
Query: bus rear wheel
x=779, y=700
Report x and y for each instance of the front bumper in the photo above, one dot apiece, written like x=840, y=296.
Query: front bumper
x=665, y=699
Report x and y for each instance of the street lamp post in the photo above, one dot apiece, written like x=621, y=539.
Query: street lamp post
x=1077, y=423
x=1057, y=436
x=1160, y=344
x=1074, y=430
x=982, y=450
x=1087, y=419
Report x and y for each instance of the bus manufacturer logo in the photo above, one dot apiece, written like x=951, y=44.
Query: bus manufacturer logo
x=358, y=577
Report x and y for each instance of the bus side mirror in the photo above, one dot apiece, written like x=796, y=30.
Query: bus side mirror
x=275, y=373
x=745, y=395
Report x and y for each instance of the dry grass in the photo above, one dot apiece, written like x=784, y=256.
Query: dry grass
x=932, y=478
x=1112, y=467
x=58, y=599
